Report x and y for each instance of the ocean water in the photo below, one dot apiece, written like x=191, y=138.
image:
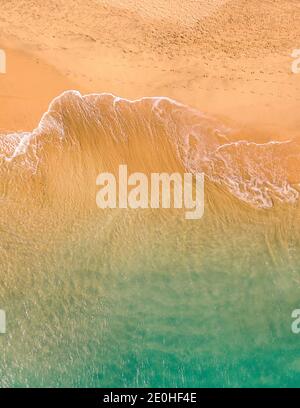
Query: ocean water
x=146, y=298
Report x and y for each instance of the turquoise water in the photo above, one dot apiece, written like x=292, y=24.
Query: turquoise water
x=162, y=303
x=146, y=298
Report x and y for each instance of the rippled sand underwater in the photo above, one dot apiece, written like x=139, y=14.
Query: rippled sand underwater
x=119, y=297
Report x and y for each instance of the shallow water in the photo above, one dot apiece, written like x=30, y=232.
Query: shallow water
x=143, y=297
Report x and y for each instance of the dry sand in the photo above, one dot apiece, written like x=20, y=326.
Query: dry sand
x=229, y=58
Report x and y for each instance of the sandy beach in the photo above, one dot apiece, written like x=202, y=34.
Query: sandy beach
x=231, y=59
x=139, y=295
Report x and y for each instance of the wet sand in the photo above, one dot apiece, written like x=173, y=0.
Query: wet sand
x=229, y=58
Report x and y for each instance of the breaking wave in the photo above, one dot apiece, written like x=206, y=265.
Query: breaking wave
x=79, y=136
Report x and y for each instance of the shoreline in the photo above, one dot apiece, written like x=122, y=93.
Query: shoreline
x=27, y=98
x=207, y=57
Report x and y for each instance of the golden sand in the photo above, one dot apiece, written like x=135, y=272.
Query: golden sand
x=229, y=58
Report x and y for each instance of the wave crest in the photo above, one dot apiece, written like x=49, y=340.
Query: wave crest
x=79, y=136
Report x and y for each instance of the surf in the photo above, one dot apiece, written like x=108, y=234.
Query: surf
x=82, y=135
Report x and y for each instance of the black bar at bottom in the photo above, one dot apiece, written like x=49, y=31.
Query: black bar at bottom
x=142, y=396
